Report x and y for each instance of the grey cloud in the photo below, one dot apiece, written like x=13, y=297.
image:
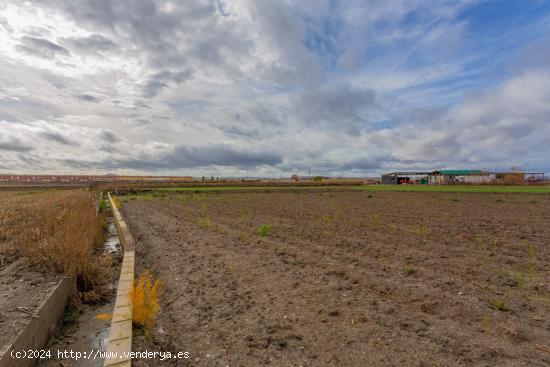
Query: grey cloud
x=157, y=82
x=92, y=44
x=57, y=137
x=109, y=136
x=341, y=108
x=199, y=156
x=15, y=145
x=41, y=47
x=89, y=98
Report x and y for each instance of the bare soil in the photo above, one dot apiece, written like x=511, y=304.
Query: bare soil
x=348, y=278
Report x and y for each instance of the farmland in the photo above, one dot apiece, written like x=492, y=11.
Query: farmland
x=520, y=189
x=347, y=276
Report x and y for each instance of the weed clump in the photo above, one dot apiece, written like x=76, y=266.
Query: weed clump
x=263, y=229
x=408, y=271
x=102, y=205
x=144, y=297
x=498, y=304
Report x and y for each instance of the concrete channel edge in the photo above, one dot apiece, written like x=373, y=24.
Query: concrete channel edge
x=119, y=344
x=41, y=326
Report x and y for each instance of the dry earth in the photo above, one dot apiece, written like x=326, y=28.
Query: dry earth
x=348, y=278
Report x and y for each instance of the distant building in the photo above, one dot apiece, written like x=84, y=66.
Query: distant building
x=469, y=176
x=400, y=178
x=440, y=177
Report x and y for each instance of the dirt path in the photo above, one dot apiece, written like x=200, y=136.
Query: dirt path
x=372, y=291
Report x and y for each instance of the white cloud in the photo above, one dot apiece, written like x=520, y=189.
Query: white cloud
x=343, y=87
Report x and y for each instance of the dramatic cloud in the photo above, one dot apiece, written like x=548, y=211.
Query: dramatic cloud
x=41, y=47
x=347, y=87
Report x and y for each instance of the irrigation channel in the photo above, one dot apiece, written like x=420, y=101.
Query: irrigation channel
x=86, y=332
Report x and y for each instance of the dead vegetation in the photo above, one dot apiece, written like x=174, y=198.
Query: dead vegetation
x=56, y=232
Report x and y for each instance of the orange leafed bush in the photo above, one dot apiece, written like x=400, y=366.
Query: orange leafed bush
x=145, y=301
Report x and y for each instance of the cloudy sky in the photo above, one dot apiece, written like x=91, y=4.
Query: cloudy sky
x=273, y=87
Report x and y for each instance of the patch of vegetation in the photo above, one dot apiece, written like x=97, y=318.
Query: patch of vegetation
x=455, y=199
x=263, y=229
x=102, y=205
x=409, y=271
x=499, y=200
x=519, y=278
x=145, y=301
x=498, y=304
x=66, y=234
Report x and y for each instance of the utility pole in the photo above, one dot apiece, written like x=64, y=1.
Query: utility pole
x=309, y=172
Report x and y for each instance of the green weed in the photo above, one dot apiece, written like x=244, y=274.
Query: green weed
x=498, y=304
x=263, y=229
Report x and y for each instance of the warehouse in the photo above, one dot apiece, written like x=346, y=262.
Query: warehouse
x=439, y=177
x=449, y=177
x=400, y=178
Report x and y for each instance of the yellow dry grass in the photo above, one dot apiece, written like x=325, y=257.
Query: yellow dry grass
x=56, y=231
x=145, y=301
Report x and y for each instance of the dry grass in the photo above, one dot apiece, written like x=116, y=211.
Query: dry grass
x=145, y=301
x=56, y=231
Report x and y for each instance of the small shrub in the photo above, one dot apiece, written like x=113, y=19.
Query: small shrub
x=532, y=202
x=498, y=304
x=263, y=229
x=370, y=196
x=454, y=199
x=102, y=205
x=144, y=298
x=519, y=278
x=499, y=200
x=408, y=271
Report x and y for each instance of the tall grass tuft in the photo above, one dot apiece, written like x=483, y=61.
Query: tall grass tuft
x=145, y=301
x=60, y=233
x=263, y=229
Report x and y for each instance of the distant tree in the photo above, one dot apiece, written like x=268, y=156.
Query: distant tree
x=295, y=177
